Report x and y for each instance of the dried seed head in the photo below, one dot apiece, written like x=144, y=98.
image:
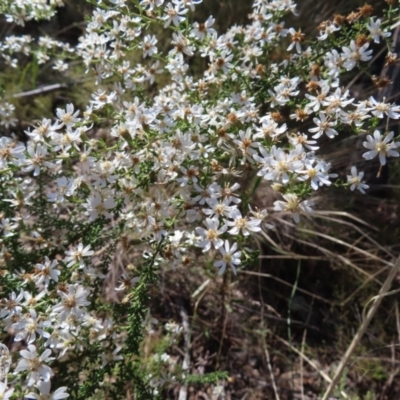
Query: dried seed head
x=380, y=82
x=232, y=119
x=361, y=39
x=277, y=116
x=353, y=16
x=215, y=166
x=297, y=36
x=312, y=86
x=366, y=10
x=301, y=114
x=315, y=69
x=278, y=28
x=339, y=19
x=62, y=287
x=260, y=69
x=391, y=59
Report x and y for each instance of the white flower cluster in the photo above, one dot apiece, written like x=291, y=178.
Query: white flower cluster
x=6, y=115
x=13, y=49
x=171, y=171
x=21, y=11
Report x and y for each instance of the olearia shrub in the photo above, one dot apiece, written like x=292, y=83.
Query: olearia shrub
x=169, y=179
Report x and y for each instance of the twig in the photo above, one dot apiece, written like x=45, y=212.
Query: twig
x=48, y=88
x=294, y=257
x=396, y=307
x=301, y=365
x=40, y=90
x=384, y=289
x=186, y=358
x=379, y=359
x=224, y=314
x=393, y=374
x=270, y=370
x=264, y=342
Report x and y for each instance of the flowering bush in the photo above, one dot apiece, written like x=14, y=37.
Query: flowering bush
x=161, y=165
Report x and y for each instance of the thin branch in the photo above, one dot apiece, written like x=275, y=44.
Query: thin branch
x=271, y=373
x=186, y=358
x=41, y=90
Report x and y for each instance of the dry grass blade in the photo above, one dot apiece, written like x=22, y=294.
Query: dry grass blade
x=303, y=342
x=289, y=285
x=334, y=256
x=359, y=230
x=293, y=257
x=311, y=363
x=364, y=284
x=384, y=290
x=268, y=359
x=275, y=246
x=345, y=214
x=343, y=243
